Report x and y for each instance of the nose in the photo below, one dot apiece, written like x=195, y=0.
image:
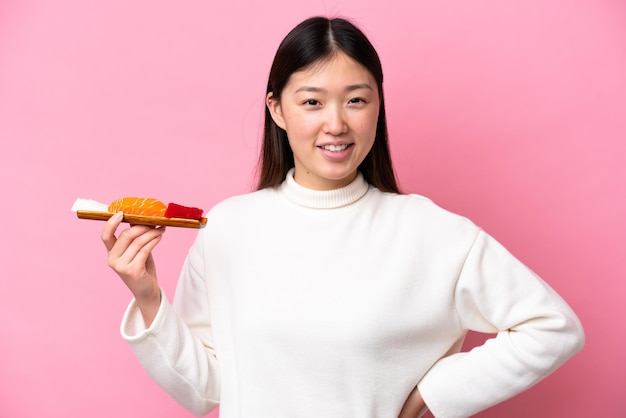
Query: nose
x=335, y=122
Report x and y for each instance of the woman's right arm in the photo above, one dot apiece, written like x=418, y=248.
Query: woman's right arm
x=179, y=357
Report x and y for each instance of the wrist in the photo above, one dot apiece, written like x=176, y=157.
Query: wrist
x=414, y=406
x=149, y=306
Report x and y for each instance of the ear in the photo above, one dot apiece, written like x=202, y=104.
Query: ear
x=275, y=109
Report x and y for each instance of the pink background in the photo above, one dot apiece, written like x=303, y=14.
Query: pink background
x=512, y=113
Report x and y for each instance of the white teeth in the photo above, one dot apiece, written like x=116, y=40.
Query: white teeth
x=335, y=147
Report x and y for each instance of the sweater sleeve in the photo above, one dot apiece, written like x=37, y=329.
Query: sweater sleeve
x=177, y=349
x=536, y=333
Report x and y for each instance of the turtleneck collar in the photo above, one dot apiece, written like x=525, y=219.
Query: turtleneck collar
x=323, y=199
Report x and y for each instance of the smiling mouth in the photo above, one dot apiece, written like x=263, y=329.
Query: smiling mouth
x=335, y=148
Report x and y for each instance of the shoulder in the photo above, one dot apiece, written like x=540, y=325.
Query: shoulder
x=230, y=218
x=421, y=215
x=243, y=202
x=417, y=204
x=240, y=209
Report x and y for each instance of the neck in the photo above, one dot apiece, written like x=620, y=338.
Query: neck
x=324, y=199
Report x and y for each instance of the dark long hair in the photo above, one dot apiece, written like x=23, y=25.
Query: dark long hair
x=313, y=41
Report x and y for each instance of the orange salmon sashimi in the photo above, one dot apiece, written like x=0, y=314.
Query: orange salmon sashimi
x=138, y=206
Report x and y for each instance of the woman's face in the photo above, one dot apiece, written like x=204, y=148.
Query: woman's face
x=329, y=111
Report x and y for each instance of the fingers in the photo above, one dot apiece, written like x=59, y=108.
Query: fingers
x=108, y=231
x=135, y=244
x=128, y=254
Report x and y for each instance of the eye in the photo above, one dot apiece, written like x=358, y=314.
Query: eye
x=357, y=101
x=311, y=102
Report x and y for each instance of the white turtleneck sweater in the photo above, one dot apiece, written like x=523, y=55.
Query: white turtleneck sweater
x=302, y=303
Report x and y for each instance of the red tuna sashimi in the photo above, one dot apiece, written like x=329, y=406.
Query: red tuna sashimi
x=175, y=210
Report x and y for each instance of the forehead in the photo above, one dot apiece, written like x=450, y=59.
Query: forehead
x=337, y=70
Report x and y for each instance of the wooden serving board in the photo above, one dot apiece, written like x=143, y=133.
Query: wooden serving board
x=144, y=220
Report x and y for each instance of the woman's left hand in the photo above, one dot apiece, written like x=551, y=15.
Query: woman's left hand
x=414, y=406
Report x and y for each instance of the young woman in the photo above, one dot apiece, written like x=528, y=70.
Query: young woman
x=326, y=292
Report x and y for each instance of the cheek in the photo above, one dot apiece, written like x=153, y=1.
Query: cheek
x=298, y=124
x=367, y=125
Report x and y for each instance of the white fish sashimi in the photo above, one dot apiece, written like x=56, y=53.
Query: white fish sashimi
x=89, y=205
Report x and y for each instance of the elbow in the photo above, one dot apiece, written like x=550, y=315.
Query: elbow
x=551, y=342
x=201, y=409
x=577, y=337
x=569, y=340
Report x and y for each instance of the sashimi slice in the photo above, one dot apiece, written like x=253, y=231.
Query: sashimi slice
x=138, y=206
x=175, y=210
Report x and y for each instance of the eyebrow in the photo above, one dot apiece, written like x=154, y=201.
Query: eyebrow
x=321, y=90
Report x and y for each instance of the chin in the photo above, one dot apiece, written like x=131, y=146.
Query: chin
x=344, y=177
